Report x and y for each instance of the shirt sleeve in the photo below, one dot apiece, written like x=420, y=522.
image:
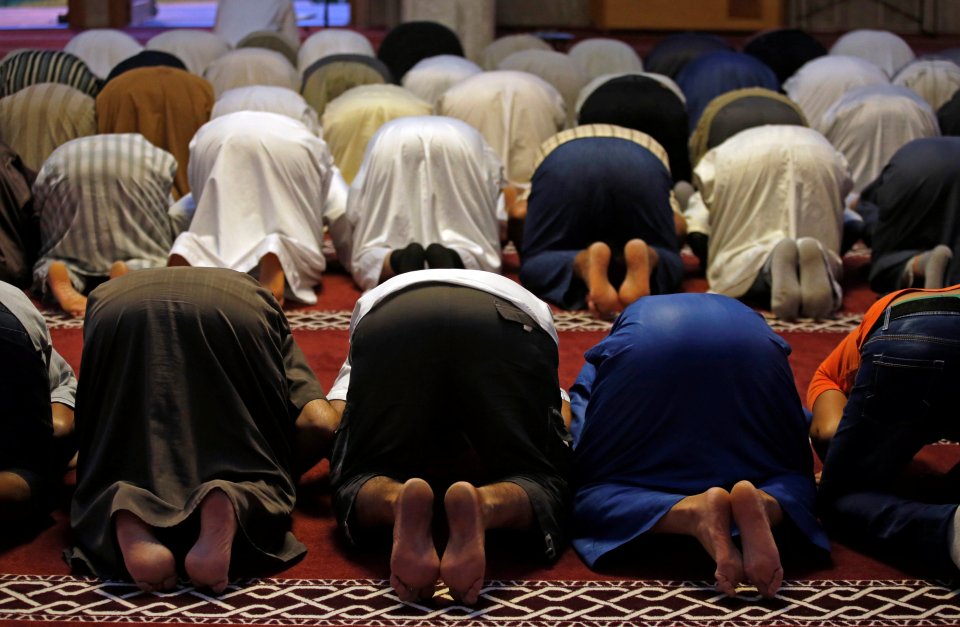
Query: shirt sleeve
x=339, y=390
x=63, y=383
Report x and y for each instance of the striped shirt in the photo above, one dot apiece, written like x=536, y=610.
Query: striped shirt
x=23, y=68
x=103, y=199
x=39, y=118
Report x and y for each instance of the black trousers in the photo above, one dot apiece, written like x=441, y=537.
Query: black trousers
x=26, y=445
x=436, y=365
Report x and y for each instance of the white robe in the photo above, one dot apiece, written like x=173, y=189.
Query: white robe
x=270, y=99
x=556, y=68
x=934, y=80
x=238, y=18
x=887, y=51
x=821, y=82
x=251, y=66
x=765, y=184
x=514, y=111
x=196, y=48
x=103, y=48
x=433, y=76
x=427, y=180
x=330, y=41
x=599, y=56
x=869, y=124
x=258, y=184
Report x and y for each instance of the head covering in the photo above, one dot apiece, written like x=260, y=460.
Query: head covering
x=949, y=116
x=102, y=48
x=19, y=225
x=917, y=200
x=258, y=183
x=196, y=48
x=935, y=80
x=270, y=99
x=146, y=58
x=670, y=55
x=352, y=119
x=716, y=73
x=646, y=105
x=820, y=82
x=164, y=104
x=270, y=40
x=734, y=111
x=37, y=119
x=499, y=49
x=29, y=67
x=333, y=75
x=251, y=66
x=431, y=77
x=238, y=18
x=762, y=185
x=331, y=41
x=390, y=208
x=884, y=49
x=599, y=56
x=406, y=44
x=556, y=68
x=514, y=111
x=103, y=199
x=869, y=124
x=784, y=50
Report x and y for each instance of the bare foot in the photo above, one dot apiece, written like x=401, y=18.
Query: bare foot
x=641, y=261
x=69, y=299
x=151, y=565
x=271, y=276
x=713, y=532
x=118, y=269
x=464, y=560
x=761, y=560
x=414, y=563
x=208, y=561
x=591, y=266
x=177, y=261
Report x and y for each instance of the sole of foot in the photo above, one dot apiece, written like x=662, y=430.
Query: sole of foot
x=784, y=281
x=816, y=286
x=713, y=532
x=69, y=299
x=761, y=559
x=151, y=564
x=602, y=297
x=641, y=261
x=208, y=561
x=414, y=563
x=463, y=564
x=118, y=269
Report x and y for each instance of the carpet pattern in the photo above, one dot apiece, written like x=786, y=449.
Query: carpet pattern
x=824, y=603
x=320, y=320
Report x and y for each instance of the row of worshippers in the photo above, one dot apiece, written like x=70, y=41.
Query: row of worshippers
x=218, y=414
x=805, y=268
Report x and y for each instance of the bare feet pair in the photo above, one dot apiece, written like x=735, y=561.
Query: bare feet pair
x=592, y=265
x=415, y=565
x=754, y=511
x=69, y=299
x=152, y=565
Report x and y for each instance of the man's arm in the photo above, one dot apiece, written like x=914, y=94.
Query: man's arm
x=827, y=412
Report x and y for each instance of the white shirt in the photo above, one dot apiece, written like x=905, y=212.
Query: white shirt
x=488, y=282
x=599, y=56
x=196, y=48
x=868, y=124
x=762, y=185
x=884, y=49
x=330, y=41
x=426, y=179
x=431, y=77
x=267, y=98
x=934, y=80
x=514, y=111
x=238, y=18
x=820, y=82
x=251, y=66
x=103, y=48
x=258, y=181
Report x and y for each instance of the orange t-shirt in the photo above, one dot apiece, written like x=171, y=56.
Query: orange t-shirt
x=838, y=371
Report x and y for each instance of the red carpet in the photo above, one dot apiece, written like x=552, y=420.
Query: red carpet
x=667, y=584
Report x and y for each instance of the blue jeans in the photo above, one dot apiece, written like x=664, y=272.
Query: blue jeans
x=903, y=398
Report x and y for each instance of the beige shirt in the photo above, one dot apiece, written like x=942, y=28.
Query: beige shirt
x=38, y=119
